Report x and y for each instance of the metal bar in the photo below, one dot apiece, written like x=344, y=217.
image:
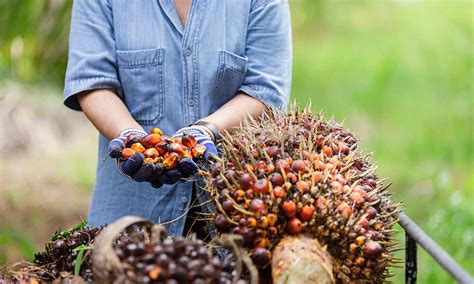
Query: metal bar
x=410, y=259
x=441, y=256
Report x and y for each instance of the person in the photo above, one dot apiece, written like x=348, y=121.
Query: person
x=136, y=65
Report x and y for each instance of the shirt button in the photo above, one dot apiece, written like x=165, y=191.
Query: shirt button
x=184, y=199
x=191, y=102
x=187, y=52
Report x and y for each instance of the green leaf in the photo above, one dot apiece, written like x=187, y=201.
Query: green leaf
x=77, y=265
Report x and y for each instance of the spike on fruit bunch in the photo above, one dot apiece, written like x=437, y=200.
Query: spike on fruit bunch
x=291, y=173
x=159, y=159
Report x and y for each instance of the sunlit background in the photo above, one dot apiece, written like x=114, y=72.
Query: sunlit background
x=399, y=73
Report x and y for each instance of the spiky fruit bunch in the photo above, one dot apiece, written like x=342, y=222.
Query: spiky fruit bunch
x=61, y=254
x=291, y=173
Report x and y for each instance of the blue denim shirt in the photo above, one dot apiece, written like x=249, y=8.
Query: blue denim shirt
x=170, y=76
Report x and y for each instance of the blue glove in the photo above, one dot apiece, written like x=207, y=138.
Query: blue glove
x=202, y=137
x=116, y=146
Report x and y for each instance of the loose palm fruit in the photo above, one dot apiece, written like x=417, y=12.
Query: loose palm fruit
x=198, y=150
x=289, y=207
x=261, y=186
x=115, y=148
x=188, y=140
x=156, y=130
x=151, y=140
x=176, y=148
x=127, y=153
x=161, y=148
x=307, y=212
x=187, y=167
x=149, y=160
x=144, y=172
x=132, y=164
x=294, y=225
x=151, y=153
x=138, y=147
x=171, y=160
x=132, y=139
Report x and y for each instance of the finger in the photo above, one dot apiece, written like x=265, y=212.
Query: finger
x=187, y=167
x=132, y=164
x=145, y=171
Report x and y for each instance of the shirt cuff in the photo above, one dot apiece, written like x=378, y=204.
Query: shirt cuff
x=73, y=88
x=266, y=96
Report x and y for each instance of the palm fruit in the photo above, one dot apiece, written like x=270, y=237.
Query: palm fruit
x=307, y=176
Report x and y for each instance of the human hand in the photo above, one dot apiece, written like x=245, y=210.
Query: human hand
x=202, y=137
x=128, y=136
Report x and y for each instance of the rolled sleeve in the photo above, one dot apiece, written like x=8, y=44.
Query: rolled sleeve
x=269, y=52
x=92, y=52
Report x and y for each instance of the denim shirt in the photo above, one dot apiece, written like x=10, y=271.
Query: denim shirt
x=170, y=76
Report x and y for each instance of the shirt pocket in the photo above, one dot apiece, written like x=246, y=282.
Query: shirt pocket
x=141, y=75
x=230, y=76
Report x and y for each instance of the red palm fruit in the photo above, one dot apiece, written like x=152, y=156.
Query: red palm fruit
x=273, y=151
x=321, y=202
x=316, y=177
x=151, y=153
x=188, y=140
x=198, y=150
x=228, y=206
x=251, y=222
x=363, y=222
x=345, y=209
x=299, y=166
x=292, y=177
x=346, y=189
x=279, y=192
x=357, y=198
x=336, y=187
x=372, y=249
x=168, y=139
x=222, y=224
x=289, y=207
x=276, y=179
x=261, y=165
x=156, y=130
x=282, y=164
x=170, y=160
x=257, y=206
x=371, y=212
x=249, y=236
x=306, y=212
x=302, y=186
x=161, y=148
x=176, y=148
x=249, y=194
x=339, y=178
x=127, y=153
x=270, y=168
x=360, y=190
x=319, y=165
x=294, y=225
x=261, y=256
x=132, y=139
x=263, y=222
x=148, y=160
x=327, y=150
x=261, y=186
x=272, y=219
x=245, y=181
x=151, y=140
x=138, y=147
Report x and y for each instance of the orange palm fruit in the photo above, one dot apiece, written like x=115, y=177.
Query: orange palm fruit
x=148, y=160
x=151, y=153
x=127, y=153
x=161, y=148
x=156, y=130
x=171, y=160
x=151, y=140
x=188, y=140
x=138, y=147
x=177, y=148
x=307, y=212
x=198, y=150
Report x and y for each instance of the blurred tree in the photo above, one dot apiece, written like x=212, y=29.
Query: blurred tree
x=33, y=39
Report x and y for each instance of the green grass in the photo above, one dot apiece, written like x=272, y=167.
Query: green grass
x=400, y=75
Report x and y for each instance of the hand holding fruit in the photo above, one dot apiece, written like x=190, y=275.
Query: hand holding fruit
x=156, y=158
x=201, y=137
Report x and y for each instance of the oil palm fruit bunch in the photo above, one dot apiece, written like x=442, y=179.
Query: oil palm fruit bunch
x=294, y=172
x=157, y=158
x=177, y=260
x=65, y=251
